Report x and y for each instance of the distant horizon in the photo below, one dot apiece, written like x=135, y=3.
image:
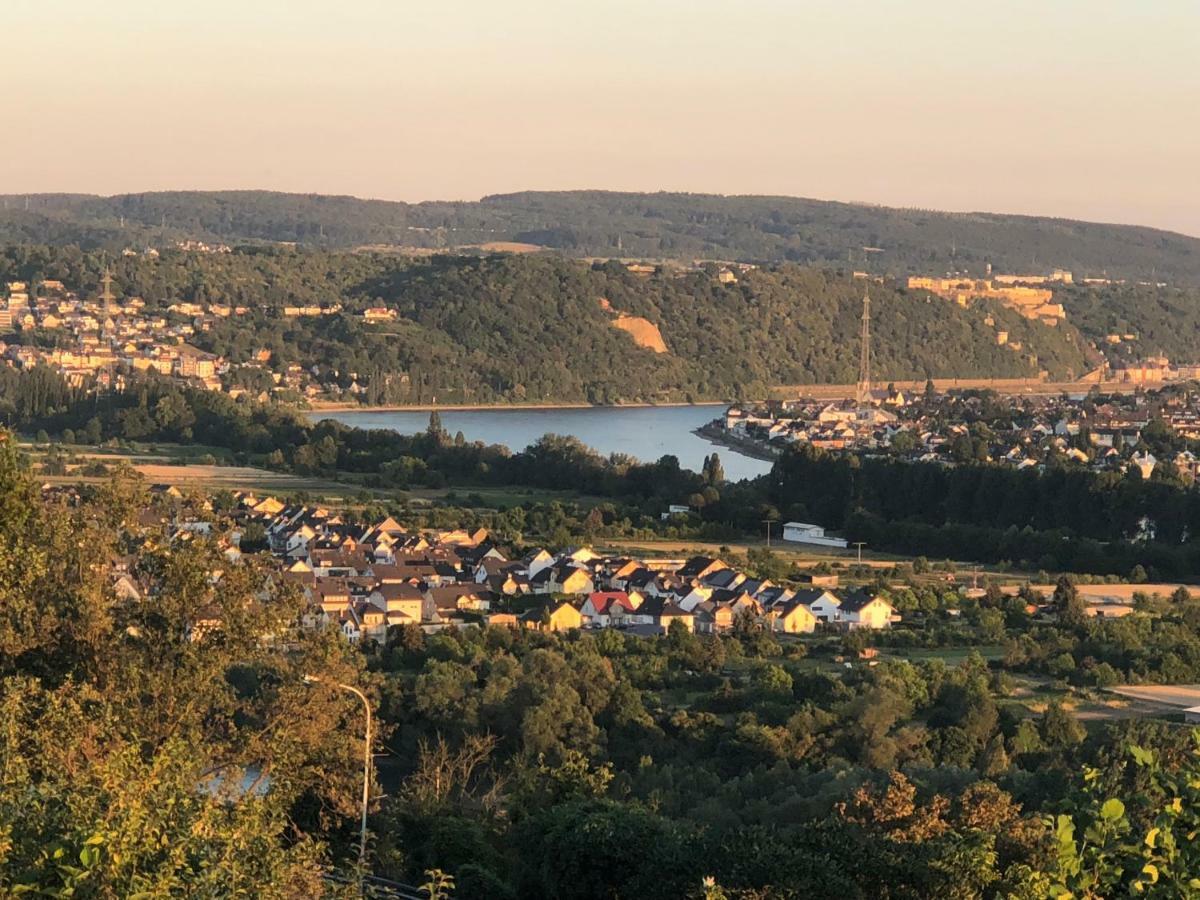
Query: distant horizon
x=599, y=190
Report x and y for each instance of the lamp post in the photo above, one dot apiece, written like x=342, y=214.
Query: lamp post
x=362, y=839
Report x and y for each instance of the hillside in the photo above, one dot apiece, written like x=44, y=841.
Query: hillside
x=601, y=223
x=533, y=328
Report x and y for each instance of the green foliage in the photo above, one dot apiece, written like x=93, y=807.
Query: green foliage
x=532, y=328
x=143, y=753
x=1080, y=520
x=605, y=223
x=1110, y=848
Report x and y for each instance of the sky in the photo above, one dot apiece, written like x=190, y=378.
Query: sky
x=1080, y=108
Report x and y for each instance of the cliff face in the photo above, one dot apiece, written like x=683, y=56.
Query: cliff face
x=644, y=332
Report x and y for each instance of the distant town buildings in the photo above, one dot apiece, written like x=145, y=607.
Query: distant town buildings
x=1031, y=302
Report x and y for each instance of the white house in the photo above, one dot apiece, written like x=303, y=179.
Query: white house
x=862, y=611
x=804, y=533
x=825, y=606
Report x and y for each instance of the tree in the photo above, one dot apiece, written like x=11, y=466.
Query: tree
x=1070, y=607
x=124, y=720
x=712, y=471
x=435, y=429
x=1059, y=729
x=773, y=679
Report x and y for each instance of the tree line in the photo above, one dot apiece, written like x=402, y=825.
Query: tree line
x=608, y=223
x=1058, y=519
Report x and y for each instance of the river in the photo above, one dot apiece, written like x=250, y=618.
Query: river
x=644, y=432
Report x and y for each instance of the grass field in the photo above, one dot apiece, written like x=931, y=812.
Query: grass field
x=177, y=465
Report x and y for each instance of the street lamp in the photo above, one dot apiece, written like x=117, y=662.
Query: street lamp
x=362, y=840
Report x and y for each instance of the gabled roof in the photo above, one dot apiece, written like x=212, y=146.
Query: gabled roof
x=606, y=601
x=809, y=596
x=723, y=578
x=641, y=578
x=399, y=592
x=856, y=600
x=658, y=607
x=697, y=565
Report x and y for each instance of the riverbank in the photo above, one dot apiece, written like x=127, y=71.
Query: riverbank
x=497, y=407
x=714, y=433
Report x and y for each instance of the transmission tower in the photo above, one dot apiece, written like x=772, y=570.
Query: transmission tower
x=106, y=295
x=864, y=366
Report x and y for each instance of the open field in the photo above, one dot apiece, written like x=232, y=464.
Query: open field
x=1174, y=696
x=175, y=465
x=501, y=496
x=1122, y=593
x=221, y=478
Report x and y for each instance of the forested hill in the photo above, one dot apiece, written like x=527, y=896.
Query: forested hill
x=602, y=223
x=544, y=328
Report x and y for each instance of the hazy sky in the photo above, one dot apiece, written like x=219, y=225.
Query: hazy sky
x=1084, y=108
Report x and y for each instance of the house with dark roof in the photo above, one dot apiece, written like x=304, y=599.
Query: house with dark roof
x=699, y=566
x=861, y=609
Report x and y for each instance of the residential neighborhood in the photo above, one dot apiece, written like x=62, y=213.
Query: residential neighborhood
x=98, y=342
x=366, y=579
x=1147, y=431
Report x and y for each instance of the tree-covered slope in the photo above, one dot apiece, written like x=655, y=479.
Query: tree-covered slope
x=603, y=223
x=1162, y=320
x=535, y=328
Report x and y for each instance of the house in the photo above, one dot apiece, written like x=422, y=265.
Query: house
x=669, y=613
x=794, y=617
x=711, y=618
x=350, y=624
x=404, y=604
x=555, y=616
x=737, y=601
x=825, y=606
x=805, y=533
x=775, y=595
x=509, y=583
x=566, y=579
x=451, y=598
x=537, y=560
x=1145, y=463
x=607, y=608
x=662, y=612
x=580, y=555
x=126, y=588
x=489, y=567
x=372, y=621
x=332, y=595
x=699, y=566
x=694, y=596
x=723, y=579
x=861, y=610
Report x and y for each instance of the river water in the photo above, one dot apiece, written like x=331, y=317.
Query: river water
x=644, y=432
